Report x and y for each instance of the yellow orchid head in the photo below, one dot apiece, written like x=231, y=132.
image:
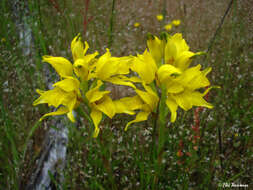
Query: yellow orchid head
x=82, y=62
x=170, y=50
x=65, y=96
x=182, y=87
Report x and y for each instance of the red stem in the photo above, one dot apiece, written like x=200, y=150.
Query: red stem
x=86, y=20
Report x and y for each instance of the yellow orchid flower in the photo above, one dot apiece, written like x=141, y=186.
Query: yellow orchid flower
x=82, y=62
x=99, y=102
x=64, y=96
x=66, y=92
x=112, y=69
x=171, y=50
x=174, y=48
x=145, y=101
x=182, y=87
x=167, y=62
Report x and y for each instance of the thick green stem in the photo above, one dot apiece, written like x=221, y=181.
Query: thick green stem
x=163, y=112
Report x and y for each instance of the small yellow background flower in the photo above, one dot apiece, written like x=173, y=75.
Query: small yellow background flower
x=136, y=25
x=176, y=22
x=159, y=17
x=168, y=27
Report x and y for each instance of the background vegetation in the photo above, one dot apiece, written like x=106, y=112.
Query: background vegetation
x=118, y=159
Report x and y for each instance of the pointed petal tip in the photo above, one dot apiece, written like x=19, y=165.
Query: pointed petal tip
x=95, y=133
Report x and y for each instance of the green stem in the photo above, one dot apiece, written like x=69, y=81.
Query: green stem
x=84, y=114
x=154, y=133
x=162, y=113
x=106, y=161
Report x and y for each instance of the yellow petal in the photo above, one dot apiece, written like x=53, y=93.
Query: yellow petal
x=96, y=117
x=62, y=66
x=71, y=117
x=174, y=87
x=174, y=47
x=94, y=94
x=105, y=67
x=150, y=98
x=206, y=71
x=86, y=48
x=166, y=72
x=156, y=48
x=172, y=105
x=128, y=105
x=106, y=106
x=170, y=52
x=77, y=48
x=196, y=99
x=189, y=74
x=52, y=97
x=119, y=81
x=208, y=89
x=131, y=79
x=180, y=42
x=134, y=79
x=81, y=69
x=189, y=98
x=145, y=66
x=69, y=84
x=123, y=64
x=70, y=100
x=182, y=99
x=141, y=116
x=184, y=59
x=61, y=111
x=193, y=78
x=40, y=92
x=153, y=96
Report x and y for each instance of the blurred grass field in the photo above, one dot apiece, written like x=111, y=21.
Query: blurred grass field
x=118, y=159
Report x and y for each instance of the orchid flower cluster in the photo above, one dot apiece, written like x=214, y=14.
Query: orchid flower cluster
x=162, y=72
